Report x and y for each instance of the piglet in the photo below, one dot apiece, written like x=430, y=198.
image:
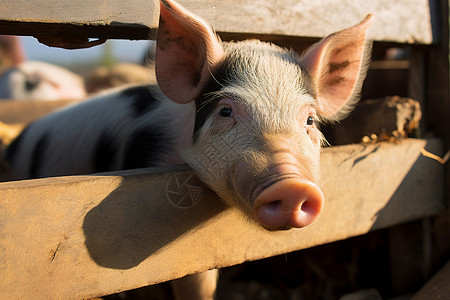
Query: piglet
x=243, y=115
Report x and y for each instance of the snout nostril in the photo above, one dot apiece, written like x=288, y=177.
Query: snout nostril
x=274, y=205
x=309, y=207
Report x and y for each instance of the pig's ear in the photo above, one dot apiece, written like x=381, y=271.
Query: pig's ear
x=338, y=65
x=186, y=51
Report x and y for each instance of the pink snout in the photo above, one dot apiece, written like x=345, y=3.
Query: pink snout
x=288, y=203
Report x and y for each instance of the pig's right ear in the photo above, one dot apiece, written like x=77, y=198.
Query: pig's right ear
x=186, y=51
x=338, y=65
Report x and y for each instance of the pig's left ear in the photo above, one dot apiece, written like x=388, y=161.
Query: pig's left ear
x=338, y=65
x=186, y=51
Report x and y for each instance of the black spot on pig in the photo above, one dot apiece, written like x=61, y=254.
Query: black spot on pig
x=38, y=157
x=338, y=50
x=307, y=83
x=141, y=99
x=31, y=83
x=338, y=66
x=105, y=153
x=177, y=40
x=336, y=80
x=166, y=4
x=208, y=102
x=144, y=147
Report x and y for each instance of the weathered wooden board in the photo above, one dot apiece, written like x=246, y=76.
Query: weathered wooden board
x=86, y=236
x=404, y=21
x=132, y=19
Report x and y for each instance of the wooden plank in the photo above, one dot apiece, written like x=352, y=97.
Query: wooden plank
x=405, y=21
x=133, y=19
x=437, y=114
x=438, y=287
x=87, y=236
x=417, y=79
x=438, y=85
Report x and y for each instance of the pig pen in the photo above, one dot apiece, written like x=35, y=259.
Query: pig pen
x=389, y=239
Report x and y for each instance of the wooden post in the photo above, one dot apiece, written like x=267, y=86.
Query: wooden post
x=418, y=248
x=438, y=121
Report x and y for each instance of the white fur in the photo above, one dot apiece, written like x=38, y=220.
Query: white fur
x=269, y=85
x=268, y=81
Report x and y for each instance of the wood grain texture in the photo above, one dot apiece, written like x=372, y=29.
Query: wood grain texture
x=88, y=236
x=134, y=19
x=403, y=21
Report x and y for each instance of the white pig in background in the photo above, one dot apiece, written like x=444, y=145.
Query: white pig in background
x=34, y=80
x=242, y=115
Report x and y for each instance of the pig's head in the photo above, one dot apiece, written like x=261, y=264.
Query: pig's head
x=255, y=141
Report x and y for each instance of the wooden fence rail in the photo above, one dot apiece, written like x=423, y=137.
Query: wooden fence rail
x=402, y=21
x=87, y=236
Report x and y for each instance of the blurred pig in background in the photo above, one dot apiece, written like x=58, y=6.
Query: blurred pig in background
x=32, y=80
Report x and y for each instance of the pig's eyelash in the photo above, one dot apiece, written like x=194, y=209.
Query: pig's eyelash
x=212, y=96
x=214, y=78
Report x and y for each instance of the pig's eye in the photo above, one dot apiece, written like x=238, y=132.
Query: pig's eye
x=310, y=121
x=226, y=111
